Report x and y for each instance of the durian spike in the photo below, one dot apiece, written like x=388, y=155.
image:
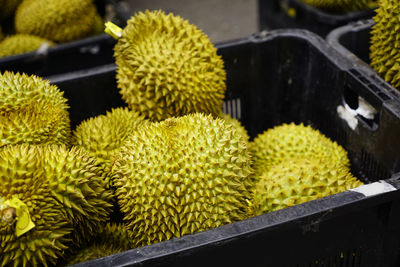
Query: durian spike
x=113, y=30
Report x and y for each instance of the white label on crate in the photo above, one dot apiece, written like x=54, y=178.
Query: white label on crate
x=365, y=109
x=349, y=115
x=374, y=188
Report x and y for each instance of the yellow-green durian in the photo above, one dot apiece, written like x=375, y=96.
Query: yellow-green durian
x=342, y=5
x=7, y=8
x=289, y=141
x=167, y=67
x=98, y=25
x=22, y=43
x=180, y=176
x=103, y=135
x=296, y=181
x=56, y=20
x=109, y=239
x=77, y=181
x=384, y=51
x=236, y=124
x=32, y=111
x=22, y=176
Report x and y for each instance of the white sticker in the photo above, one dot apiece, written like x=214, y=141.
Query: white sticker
x=349, y=115
x=374, y=188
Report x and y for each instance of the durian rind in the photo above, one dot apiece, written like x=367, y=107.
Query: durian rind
x=109, y=239
x=384, y=51
x=78, y=183
x=288, y=141
x=102, y=136
x=22, y=175
x=167, y=67
x=32, y=111
x=56, y=20
x=236, y=125
x=296, y=181
x=22, y=43
x=181, y=176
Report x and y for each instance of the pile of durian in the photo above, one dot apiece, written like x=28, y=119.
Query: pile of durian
x=341, y=6
x=170, y=164
x=33, y=24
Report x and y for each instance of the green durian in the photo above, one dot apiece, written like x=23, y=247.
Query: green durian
x=22, y=43
x=384, y=51
x=288, y=141
x=65, y=199
x=296, y=181
x=342, y=5
x=103, y=135
x=7, y=8
x=167, y=67
x=79, y=184
x=56, y=20
x=32, y=111
x=236, y=125
x=109, y=239
x=180, y=176
x=98, y=25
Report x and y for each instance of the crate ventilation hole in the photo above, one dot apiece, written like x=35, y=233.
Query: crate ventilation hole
x=232, y=107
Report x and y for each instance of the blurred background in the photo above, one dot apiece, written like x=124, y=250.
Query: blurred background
x=221, y=20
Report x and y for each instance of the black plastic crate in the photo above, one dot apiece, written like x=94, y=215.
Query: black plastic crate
x=71, y=56
x=275, y=14
x=285, y=76
x=353, y=42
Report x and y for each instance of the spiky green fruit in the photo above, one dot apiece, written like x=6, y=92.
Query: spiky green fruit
x=109, y=239
x=289, y=141
x=236, y=125
x=7, y=8
x=56, y=20
x=384, y=51
x=77, y=181
x=167, y=67
x=103, y=135
x=342, y=5
x=32, y=111
x=22, y=43
x=98, y=25
x=181, y=176
x=296, y=181
x=22, y=175
x=62, y=188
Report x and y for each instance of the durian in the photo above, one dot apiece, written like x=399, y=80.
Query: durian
x=167, y=67
x=236, y=125
x=296, y=181
x=342, y=5
x=288, y=141
x=65, y=196
x=56, y=20
x=7, y=8
x=103, y=135
x=109, y=239
x=98, y=25
x=180, y=176
x=22, y=43
x=384, y=51
x=32, y=111
x=22, y=176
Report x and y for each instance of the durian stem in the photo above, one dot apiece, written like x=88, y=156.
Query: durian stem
x=113, y=30
x=8, y=214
